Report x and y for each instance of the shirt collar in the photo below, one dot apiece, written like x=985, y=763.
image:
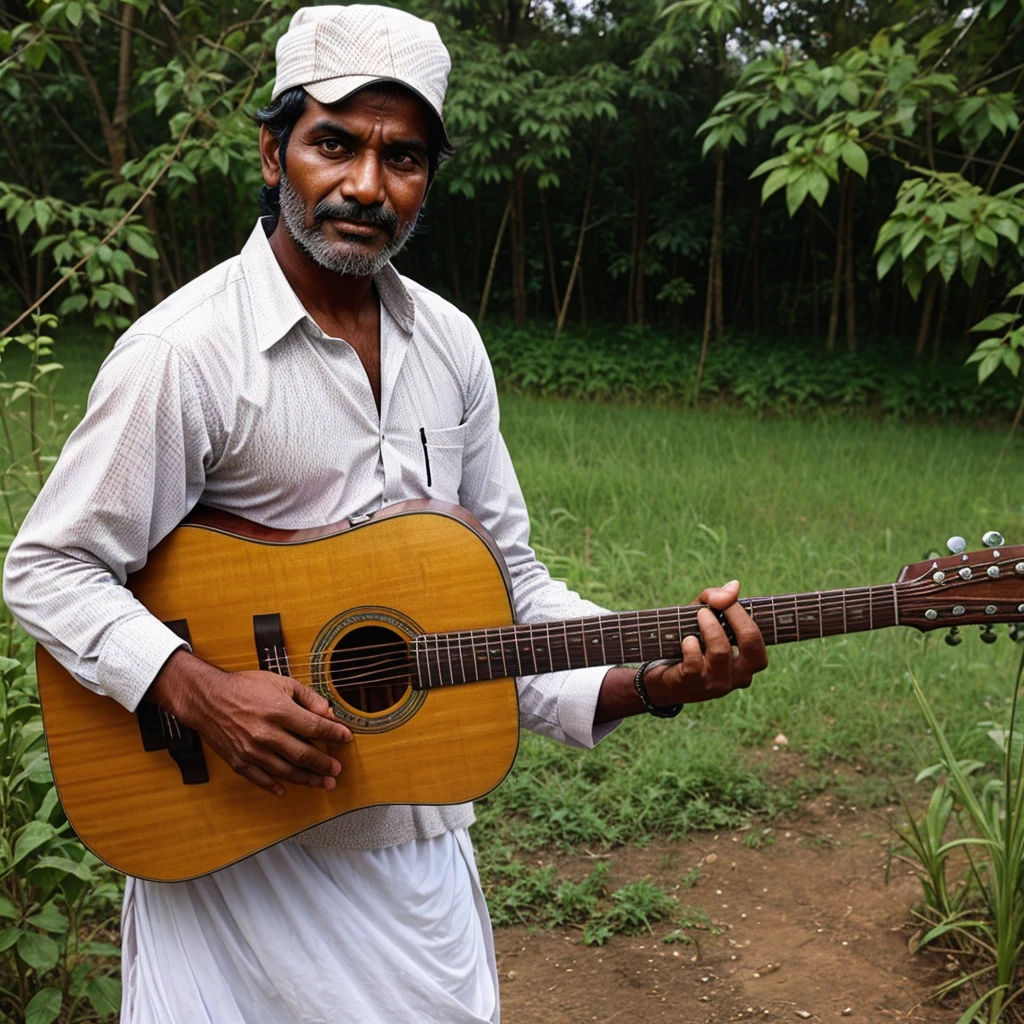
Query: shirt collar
x=276, y=309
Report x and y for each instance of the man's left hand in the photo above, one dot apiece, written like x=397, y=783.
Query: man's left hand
x=720, y=667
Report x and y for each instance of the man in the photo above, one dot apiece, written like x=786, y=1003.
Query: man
x=239, y=390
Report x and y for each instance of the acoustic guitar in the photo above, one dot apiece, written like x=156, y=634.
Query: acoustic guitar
x=388, y=616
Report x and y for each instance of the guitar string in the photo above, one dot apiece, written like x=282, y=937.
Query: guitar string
x=590, y=628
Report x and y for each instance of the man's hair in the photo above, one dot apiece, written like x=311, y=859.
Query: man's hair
x=283, y=113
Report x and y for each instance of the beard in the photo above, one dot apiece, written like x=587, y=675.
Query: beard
x=342, y=257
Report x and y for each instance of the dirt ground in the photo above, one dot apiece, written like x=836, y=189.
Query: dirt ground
x=809, y=930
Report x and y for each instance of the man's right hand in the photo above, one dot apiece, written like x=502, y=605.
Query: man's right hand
x=261, y=723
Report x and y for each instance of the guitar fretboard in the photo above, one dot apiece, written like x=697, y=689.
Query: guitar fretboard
x=445, y=659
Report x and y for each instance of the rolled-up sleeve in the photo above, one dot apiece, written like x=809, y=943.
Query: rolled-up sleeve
x=556, y=704
x=128, y=474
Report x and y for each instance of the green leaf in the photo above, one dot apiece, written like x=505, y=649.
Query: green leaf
x=104, y=993
x=43, y=1007
x=31, y=837
x=40, y=952
x=219, y=159
x=855, y=158
x=818, y=186
x=886, y=260
x=1016, y=292
x=994, y=322
x=65, y=864
x=776, y=180
x=162, y=96
x=24, y=217
x=48, y=804
x=141, y=244
x=50, y=919
x=8, y=937
x=989, y=365
x=7, y=908
x=796, y=193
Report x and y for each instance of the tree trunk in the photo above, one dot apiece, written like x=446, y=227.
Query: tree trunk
x=591, y=181
x=716, y=241
x=549, y=251
x=113, y=128
x=518, y=245
x=635, y=305
x=815, y=300
x=837, y=276
x=756, y=294
x=477, y=246
x=850, y=300
x=494, y=259
x=582, y=296
x=713, y=295
x=943, y=303
x=924, y=328
x=705, y=340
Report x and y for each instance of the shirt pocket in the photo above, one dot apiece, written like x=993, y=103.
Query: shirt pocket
x=432, y=461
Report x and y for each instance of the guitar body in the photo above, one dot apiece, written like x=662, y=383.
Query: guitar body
x=417, y=568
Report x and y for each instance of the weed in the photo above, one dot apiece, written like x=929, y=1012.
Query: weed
x=759, y=838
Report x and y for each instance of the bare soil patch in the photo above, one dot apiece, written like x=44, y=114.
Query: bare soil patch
x=808, y=930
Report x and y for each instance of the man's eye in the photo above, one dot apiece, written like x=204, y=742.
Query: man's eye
x=331, y=146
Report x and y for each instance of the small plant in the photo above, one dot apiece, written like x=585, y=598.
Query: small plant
x=759, y=838
x=984, y=916
x=27, y=419
x=520, y=894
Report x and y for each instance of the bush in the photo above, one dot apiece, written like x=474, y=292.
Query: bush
x=781, y=375
x=58, y=903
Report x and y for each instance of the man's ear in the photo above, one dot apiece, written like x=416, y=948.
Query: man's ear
x=270, y=158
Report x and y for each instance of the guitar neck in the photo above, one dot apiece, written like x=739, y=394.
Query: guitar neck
x=444, y=659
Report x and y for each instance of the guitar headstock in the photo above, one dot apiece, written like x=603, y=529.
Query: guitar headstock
x=963, y=589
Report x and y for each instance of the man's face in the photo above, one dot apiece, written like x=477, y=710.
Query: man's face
x=357, y=177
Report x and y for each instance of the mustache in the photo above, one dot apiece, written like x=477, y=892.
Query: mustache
x=378, y=216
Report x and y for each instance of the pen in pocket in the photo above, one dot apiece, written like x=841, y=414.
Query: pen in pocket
x=426, y=454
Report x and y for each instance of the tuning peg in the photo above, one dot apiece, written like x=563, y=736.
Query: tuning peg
x=1017, y=632
x=956, y=545
x=992, y=539
x=953, y=637
x=987, y=635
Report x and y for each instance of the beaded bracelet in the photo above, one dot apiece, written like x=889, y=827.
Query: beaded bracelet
x=638, y=684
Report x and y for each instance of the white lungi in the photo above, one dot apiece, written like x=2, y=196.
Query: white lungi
x=303, y=935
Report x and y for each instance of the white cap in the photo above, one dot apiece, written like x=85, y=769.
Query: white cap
x=332, y=51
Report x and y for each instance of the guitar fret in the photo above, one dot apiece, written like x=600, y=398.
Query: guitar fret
x=895, y=606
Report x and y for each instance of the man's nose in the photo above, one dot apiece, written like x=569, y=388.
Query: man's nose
x=364, y=182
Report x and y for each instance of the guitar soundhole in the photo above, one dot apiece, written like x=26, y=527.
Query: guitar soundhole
x=370, y=668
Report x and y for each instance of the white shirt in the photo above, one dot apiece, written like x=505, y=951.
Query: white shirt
x=229, y=393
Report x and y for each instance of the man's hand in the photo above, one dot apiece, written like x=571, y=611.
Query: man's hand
x=261, y=723
x=720, y=667
x=702, y=675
